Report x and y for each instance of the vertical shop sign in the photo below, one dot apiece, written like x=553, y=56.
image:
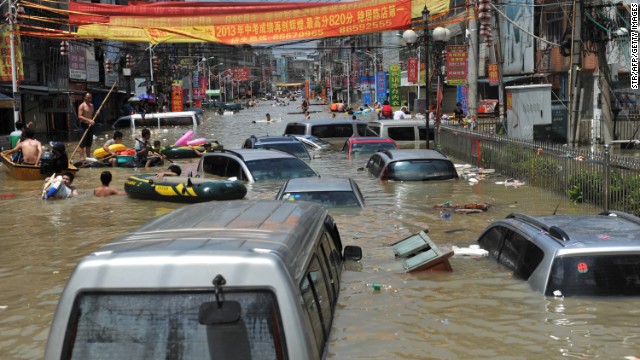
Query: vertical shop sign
x=395, y=99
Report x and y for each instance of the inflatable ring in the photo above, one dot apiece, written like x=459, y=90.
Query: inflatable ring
x=100, y=152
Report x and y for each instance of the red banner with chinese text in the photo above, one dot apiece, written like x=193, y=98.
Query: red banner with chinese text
x=239, y=74
x=456, y=65
x=176, y=96
x=493, y=74
x=412, y=70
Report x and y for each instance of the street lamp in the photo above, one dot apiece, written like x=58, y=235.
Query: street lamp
x=212, y=67
x=440, y=37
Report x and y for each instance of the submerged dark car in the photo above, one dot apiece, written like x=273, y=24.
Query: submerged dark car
x=411, y=165
x=569, y=255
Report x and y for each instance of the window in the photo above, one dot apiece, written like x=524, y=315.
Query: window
x=401, y=133
x=295, y=129
x=420, y=170
x=280, y=169
x=372, y=131
x=512, y=248
x=333, y=130
x=362, y=128
x=215, y=165
x=316, y=298
x=555, y=25
x=165, y=325
x=491, y=240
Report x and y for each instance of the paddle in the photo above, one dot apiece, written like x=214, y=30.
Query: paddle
x=153, y=151
x=94, y=119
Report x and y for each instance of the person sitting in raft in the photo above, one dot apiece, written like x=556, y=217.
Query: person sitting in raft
x=105, y=190
x=31, y=148
x=172, y=170
x=142, y=149
x=116, y=139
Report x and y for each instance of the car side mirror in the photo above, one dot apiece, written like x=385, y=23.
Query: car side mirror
x=352, y=253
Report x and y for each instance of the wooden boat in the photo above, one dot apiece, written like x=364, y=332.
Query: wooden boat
x=182, y=189
x=28, y=172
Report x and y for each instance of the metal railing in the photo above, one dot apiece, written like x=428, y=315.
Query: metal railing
x=596, y=176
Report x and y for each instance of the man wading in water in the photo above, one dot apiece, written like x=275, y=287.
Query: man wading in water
x=85, y=117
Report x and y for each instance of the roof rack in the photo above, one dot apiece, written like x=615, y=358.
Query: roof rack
x=386, y=152
x=221, y=149
x=620, y=214
x=553, y=230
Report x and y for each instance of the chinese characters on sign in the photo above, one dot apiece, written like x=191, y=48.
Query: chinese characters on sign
x=240, y=74
x=412, y=70
x=5, y=52
x=394, y=86
x=77, y=62
x=493, y=74
x=456, y=65
x=381, y=86
x=176, y=96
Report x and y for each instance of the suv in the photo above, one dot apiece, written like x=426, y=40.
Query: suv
x=254, y=165
x=239, y=280
x=411, y=165
x=289, y=144
x=367, y=145
x=569, y=255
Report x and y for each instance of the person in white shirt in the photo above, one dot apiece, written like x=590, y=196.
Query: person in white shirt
x=400, y=114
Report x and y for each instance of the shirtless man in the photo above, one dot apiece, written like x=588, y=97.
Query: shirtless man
x=85, y=117
x=105, y=190
x=30, y=147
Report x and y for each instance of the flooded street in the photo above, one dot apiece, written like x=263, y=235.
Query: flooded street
x=477, y=311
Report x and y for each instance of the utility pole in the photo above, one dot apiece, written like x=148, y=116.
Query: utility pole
x=14, y=73
x=472, y=56
x=574, y=78
x=500, y=61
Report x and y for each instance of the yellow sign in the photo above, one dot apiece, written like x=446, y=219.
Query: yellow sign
x=5, y=53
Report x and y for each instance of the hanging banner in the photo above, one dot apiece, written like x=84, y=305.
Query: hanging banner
x=5, y=52
x=77, y=62
x=456, y=65
x=412, y=70
x=395, y=100
x=176, y=96
x=240, y=74
x=244, y=26
x=492, y=73
x=381, y=86
x=462, y=96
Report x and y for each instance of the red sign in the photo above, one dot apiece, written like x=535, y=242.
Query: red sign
x=493, y=74
x=456, y=65
x=240, y=74
x=412, y=70
x=176, y=96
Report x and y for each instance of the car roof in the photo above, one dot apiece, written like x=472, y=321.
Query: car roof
x=252, y=154
x=326, y=122
x=318, y=184
x=369, y=139
x=411, y=154
x=273, y=139
x=582, y=232
x=391, y=122
x=238, y=227
x=157, y=115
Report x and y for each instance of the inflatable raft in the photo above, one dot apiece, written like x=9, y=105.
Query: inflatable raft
x=182, y=189
x=100, y=152
x=184, y=152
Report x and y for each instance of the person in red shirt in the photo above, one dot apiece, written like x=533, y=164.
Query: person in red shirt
x=387, y=110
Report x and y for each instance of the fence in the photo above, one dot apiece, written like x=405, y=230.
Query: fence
x=594, y=177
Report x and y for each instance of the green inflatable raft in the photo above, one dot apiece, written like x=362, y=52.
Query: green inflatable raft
x=182, y=189
x=184, y=152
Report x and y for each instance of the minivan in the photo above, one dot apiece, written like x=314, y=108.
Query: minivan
x=244, y=279
x=181, y=118
x=401, y=131
x=333, y=130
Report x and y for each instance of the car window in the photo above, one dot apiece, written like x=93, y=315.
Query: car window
x=177, y=120
x=370, y=147
x=332, y=130
x=326, y=198
x=296, y=148
x=422, y=132
x=375, y=165
x=417, y=170
x=279, y=169
x=165, y=325
x=595, y=275
x=247, y=144
x=295, y=129
x=491, y=240
x=314, y=289
x=512, y=248
x=401, y=133
x=361, y=128
x=372, y=131
x=530, y=258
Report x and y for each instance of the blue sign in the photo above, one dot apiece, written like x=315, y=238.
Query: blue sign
x=366, y=98
x=462, y=96
x=381, y=86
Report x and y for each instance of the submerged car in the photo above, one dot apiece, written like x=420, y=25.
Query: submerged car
x=335, y=192
x=314, y=143
x=238, y=280
x=254, y=165
x=411, y=165
x=569, y=255
x=290, y=144
x=367, y=145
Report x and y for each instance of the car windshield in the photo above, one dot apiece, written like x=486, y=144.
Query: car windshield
x=295, y=148
x=371, y=147
x=167, y=325
x=591, y=275
x=280, y=169
x=318, y=141
x=417, y=170
x=326, y=198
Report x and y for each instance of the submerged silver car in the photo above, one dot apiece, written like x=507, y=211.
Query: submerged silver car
x=569, y=255
x=333, y=192
x=234, y=280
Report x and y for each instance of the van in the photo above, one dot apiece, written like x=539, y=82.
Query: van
x=332, y=130
x=244, y=279
x=400, y=130
x=180, y=118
